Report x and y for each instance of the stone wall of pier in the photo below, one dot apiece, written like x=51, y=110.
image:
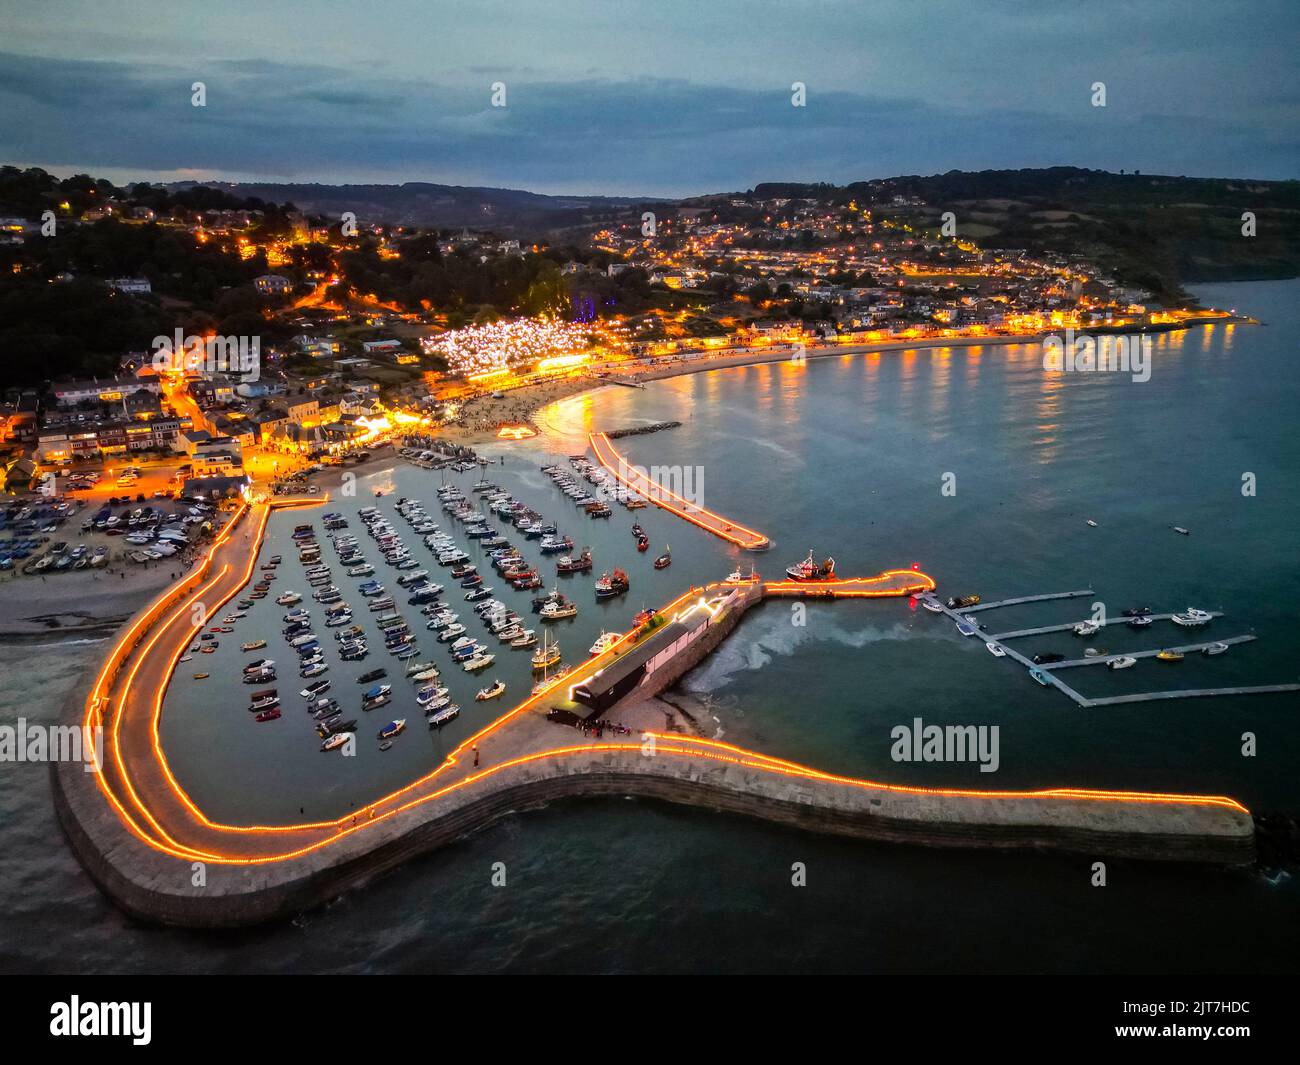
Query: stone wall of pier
x=158, y=888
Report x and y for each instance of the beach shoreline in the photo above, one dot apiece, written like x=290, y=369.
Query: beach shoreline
x=490, y=413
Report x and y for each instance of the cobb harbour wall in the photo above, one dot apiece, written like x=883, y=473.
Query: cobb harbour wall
x=159, y=889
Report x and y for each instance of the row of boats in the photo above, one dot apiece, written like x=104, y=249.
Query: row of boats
x=1136, y=618
x=606, y=487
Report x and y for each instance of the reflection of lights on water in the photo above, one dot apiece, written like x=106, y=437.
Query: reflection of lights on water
x=516, y=432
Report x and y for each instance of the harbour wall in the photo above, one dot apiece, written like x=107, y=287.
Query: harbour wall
x=158, y=889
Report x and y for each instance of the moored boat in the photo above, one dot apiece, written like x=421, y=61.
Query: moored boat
x=443, y=716
x=604, y=642
x=809, y=570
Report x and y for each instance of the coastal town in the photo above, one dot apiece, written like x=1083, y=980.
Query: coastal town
x=324, y=371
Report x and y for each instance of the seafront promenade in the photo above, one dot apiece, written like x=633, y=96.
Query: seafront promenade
x=143, y=838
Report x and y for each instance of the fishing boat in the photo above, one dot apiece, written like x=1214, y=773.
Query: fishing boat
x=665, y=560
x=259, y=665
x=557, y=610
x=604, y=642
x=1122, y=662
x=960, y=602
x=932, y=606
x=336, y=741
x=315, y=689
x=608, y=586
x=1170, y=656
x=288, y=598
x=525, y=639
x=201, y=676
x=265, y=702
x=497, y=687
x=569, y=564
x=1211, y=649
x=252, y=645
x=313, y=670
x=267, y=715
x=1192, y=617
x=995, y=650
x=737, y=577
x=546, y=655
x=637, y=531
x=392, y=729
x=808, y=570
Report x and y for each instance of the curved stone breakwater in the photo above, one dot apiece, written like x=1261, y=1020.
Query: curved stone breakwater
x=153, y=851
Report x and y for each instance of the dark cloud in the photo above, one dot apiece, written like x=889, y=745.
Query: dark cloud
x=633, y=134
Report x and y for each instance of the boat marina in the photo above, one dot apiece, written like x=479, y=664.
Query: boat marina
x=1045, y=672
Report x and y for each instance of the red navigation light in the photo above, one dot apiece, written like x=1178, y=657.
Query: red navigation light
x=916, y=566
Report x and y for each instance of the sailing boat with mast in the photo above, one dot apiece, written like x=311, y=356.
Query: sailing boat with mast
x=546, y=655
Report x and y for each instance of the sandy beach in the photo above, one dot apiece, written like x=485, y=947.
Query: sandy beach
x=521, y=405
x=486, y=413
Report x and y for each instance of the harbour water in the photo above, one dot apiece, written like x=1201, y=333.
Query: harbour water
x=848, y=457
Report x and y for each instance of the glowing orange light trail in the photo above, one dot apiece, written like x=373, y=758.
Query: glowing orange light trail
x=669, y=500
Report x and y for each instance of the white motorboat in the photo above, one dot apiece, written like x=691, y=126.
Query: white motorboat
x=995, y=650
x=1192, y=617
x=1123, y=662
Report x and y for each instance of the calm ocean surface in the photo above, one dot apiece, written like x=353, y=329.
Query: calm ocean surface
x=846, y=457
